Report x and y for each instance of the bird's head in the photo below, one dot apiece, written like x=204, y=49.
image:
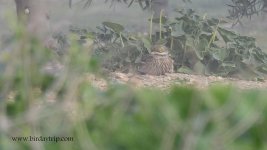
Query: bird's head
x=159, y=49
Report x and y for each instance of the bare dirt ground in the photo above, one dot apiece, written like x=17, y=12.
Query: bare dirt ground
x=169, y=80
x=162, y=82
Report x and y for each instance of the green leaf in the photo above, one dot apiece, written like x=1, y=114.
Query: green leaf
x=201, y=48
x=147, y=43
x=263, y=69
x=208, y=37
x=185, y=69
x=114, y=26
x=177, y=30
x=228, y=36
x=91, y=35
x=190, y=27
x=189, y=41
x=219, y=54
x=206, y=27
x=213, y=22
x=230, y=65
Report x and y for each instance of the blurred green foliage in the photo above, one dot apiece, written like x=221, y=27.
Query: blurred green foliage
x=33, y=103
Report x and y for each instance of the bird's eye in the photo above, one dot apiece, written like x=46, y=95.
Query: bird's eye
x=27, y=11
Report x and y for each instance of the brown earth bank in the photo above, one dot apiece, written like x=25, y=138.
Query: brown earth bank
x=169, y=80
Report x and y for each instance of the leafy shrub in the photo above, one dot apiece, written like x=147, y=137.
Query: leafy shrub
x=197, y=44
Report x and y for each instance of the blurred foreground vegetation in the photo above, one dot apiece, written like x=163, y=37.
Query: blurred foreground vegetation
x=34, y=103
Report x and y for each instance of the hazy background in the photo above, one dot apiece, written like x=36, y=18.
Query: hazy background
x=133, y=18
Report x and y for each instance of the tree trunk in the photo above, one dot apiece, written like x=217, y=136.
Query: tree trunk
x=34, y=15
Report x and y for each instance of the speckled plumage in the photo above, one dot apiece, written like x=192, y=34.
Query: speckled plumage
x=158, y=62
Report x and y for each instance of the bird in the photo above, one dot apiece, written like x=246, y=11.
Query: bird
x=158, y=62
